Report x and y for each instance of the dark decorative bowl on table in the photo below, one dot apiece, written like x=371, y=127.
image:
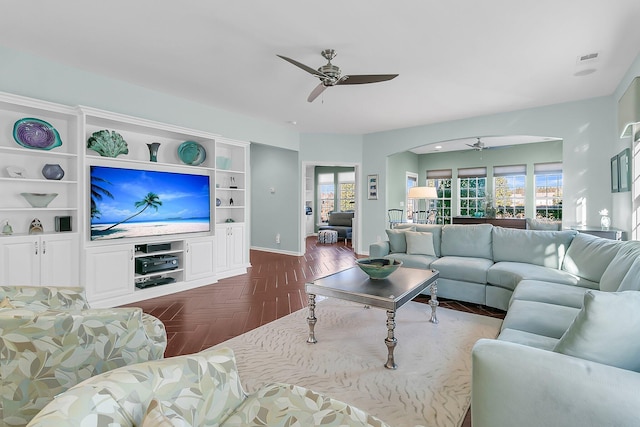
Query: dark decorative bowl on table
x=378, y=268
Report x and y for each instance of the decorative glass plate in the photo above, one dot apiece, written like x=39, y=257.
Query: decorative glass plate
x=36, y=133
x=192, y=153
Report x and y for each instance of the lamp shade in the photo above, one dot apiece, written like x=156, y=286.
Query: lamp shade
x=423, y=193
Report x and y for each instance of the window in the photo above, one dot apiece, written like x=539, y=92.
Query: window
x=347, y=191
x=441, y=179
x=509, y=191
x=472, y=185
x=326, y=195
x=548, y=181
x=412, y=181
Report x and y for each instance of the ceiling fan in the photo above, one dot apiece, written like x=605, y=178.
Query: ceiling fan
x=478, y=145
x=329, y=74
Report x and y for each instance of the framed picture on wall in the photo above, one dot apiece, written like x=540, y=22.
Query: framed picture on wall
x=372, y=187
x=624, y=170
x=614, y=174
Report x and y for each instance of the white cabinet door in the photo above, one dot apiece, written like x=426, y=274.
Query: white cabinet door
x=20, y=261
x=47, y=260
x=236, y=246
x=200, y=258
x=59, y=260
x=222, y=252
x=109, y=271
x=231, y=251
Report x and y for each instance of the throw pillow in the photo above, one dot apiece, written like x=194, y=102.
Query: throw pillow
x=6, y=303
x=157, y=416
x=397, y=240
x=606, y=330
x=420, y=243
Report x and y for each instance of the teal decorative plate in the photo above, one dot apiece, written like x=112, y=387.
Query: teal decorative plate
x=192, y=153
x=36, y=133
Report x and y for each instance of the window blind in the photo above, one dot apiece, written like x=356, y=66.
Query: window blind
x=547, y=168
x=439, y=174
x=472, y=172
x=510, y=170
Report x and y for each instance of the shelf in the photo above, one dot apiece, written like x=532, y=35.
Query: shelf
x=20, y=209
x=35, y=152
x=124, y=160
x=39, y=180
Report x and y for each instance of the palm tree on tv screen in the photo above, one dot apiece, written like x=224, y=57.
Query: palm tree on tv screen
x=150, y=200
x=97, y=191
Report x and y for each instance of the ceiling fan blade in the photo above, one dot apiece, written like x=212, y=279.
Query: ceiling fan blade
x=315, y=92
x=304, y=67
x=358, y=79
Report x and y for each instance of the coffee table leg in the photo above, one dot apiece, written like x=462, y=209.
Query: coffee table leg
x=433, y=302
x=311, y=320
x=391, y=340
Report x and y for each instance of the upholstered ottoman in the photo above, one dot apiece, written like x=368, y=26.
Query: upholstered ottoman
x=327, y=236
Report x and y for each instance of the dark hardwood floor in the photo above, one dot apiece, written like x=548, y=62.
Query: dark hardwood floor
x=272, y=288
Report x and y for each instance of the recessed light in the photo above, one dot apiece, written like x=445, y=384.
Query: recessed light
x=292, y=122
x=438, y=147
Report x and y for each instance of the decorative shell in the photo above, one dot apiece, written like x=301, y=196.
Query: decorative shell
x=108, y=144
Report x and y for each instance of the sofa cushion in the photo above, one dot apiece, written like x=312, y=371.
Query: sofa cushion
x=397, y=240
x=631, y=281
x=158, y=416
x=549, y=320
x=542, y=224
x=466, y=240
x=528, y=339
x=618, y=267
x=606, y=330
x=412, y=261
x=436, y=231
x=420, y=243
x=550, y=293
x=290, y=405
x=509, y=274
x=545, y=248
x=588, y=256
x=466, y=269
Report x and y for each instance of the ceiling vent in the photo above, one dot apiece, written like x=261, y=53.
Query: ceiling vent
x=589, y=57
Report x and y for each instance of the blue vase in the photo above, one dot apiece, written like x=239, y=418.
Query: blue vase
x=52, y=171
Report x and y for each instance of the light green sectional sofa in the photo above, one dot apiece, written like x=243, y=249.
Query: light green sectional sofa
x=568, y=353
x=50, y=340
x=196, y=390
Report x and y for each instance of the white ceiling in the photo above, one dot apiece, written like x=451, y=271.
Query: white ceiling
x=456, y=58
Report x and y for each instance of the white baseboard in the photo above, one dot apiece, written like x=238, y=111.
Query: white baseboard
x=276, y=251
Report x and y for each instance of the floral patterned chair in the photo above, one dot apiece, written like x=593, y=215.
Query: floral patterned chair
x=50, y=340
x=201, y=389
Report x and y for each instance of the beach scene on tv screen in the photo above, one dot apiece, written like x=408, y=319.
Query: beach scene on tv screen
x=142, y=203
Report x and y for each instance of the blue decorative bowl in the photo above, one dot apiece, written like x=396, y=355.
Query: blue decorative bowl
x=378, y=268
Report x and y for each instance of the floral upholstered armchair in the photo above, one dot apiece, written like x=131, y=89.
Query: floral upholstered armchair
x=50, y=340
x=201, y=389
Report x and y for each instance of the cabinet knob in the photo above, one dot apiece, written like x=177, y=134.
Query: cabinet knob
x=44, y=247
x=36, y=246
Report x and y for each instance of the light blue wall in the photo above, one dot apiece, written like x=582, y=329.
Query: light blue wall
x=28, y=75
x=587, y=129
x=276, y=212
x=331, y=149
x=398, y=165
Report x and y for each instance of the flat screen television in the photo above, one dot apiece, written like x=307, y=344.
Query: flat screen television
x=135, y=203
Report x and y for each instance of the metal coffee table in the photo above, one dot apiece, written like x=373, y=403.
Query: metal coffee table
x=390, y=294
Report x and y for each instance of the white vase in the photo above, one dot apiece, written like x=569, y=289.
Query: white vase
x=605, y=222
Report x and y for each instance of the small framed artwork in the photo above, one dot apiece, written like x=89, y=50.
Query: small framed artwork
x=614, y=174
x=624, y=171
x=372, y=187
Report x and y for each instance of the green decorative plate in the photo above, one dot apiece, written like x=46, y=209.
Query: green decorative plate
x=192, y=153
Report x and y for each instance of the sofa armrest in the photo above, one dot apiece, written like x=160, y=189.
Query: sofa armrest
x=62, y=348
x=41, y=298
x=379, y=249
x=517, y=385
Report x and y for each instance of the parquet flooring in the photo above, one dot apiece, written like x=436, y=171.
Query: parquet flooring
x=272, y=288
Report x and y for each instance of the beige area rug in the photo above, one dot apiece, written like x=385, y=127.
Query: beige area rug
x=431, y=386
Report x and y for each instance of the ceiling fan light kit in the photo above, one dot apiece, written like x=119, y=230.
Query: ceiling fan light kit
x=329, y=74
